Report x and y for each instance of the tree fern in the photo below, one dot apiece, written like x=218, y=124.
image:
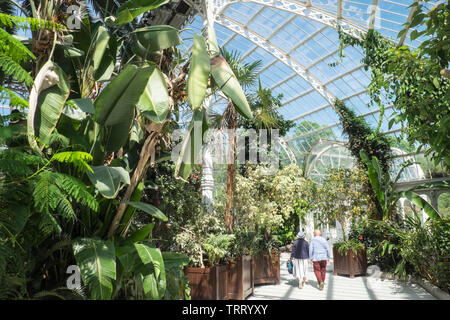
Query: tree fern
x=77, y=190
x=15, y=101
x=14, y=69
x=16, y=48
x=78, y=158
x=54, y=193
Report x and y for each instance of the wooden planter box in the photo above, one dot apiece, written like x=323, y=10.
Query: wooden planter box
x=266, y=268
x=350, y=264
x=208, y=283
x=240, y=278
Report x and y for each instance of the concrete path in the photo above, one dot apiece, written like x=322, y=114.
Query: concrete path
x=338, y=288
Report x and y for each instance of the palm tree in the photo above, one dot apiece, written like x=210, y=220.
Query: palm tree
x=246, y=73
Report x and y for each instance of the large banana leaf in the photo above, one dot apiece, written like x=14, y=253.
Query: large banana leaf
x=422, y=204
x=142, y=233
x=189, y=152
x=100, y=41
x=129, y=212
x=198, y=72
x=174, y=260
x=104, y=55
x=133, y=8
x=97, y=262
x=212, y=42
x=373, y=176
x=108, y=180
x=116, y=102
x=117, y=135
x=46, y=102
x=154, y=38
x=154, y=101
x=229, y=85
x=148, y=208
x=154, y=283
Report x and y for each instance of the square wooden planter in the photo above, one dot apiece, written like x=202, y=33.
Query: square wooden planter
x=208, y=283
x=240, y=278
x=266, y=268
x=350, y=264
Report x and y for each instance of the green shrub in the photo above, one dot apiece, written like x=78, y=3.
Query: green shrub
x=344, y=247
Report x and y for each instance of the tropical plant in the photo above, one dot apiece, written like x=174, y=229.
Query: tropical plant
x=263, y=202
x=344, y=247
x=385, y=189
x=216, y=247
x=415, y=247
x=342, y=198
x=411, y=80
x=245, y=75
x=362, y=137
x=80, y=181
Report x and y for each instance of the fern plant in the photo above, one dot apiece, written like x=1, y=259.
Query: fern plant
x=12, y=54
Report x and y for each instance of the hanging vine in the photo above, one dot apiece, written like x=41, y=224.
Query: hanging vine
x=413, y=84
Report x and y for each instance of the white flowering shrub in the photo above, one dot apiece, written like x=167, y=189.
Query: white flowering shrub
x=264, y=201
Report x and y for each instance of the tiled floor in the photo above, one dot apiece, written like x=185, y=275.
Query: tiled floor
x=338, y=288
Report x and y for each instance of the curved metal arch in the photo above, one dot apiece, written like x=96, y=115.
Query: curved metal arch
x=288, y=150
x=212, y=12
x=309, y=163
x=300, y=9
x=278, y=53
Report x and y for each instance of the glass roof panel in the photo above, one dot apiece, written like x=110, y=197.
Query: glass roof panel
x=312, y=48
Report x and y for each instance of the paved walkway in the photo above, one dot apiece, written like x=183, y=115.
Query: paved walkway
x=338, y=288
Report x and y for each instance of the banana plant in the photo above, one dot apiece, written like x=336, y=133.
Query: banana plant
x=385, y=189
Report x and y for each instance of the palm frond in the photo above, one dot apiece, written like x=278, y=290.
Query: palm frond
x=246, y=72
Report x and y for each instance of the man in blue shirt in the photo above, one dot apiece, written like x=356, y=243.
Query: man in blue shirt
x=319, y=255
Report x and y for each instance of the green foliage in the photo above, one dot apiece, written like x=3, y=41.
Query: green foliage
x=264, y=201
x=79, y=159
x=435, y=26
x=27, y=23
x=409, y=246
x=54, y=192
x=362, y=137
x=385, y=189
x=308, y=141
x=341, y=197
x=265, y=116
x=216, y=247
x=344, y=247
x=15, y=101
x=96, y=259
x=198, y=72
x=412, y=82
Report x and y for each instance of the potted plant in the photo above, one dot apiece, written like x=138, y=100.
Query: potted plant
x=266, y=262
x=264, y=199
x=209, y=282
x=350, y=258
x=342, y=200
x=240, y=265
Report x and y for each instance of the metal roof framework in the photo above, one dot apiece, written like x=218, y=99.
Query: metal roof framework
x=297, y=41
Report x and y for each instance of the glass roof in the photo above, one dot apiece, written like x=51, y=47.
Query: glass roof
x=298, y=45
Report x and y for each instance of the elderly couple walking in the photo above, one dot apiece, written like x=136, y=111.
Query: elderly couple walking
x=317, y=252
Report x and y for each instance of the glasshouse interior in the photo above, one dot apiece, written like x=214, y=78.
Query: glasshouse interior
x=224, y=150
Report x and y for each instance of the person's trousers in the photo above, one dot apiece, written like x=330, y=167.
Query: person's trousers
x=320, y=269
x=300, y=267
